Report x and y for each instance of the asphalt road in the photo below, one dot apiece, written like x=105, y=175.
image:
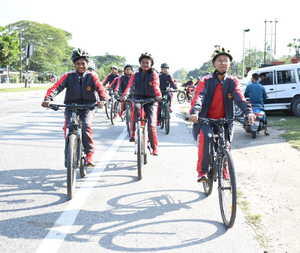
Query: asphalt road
x=112, y=212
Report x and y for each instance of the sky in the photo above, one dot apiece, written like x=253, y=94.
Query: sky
x=182, y=33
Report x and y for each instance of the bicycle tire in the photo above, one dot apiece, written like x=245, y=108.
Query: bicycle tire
x=228, y=221
x=71, y=162
x=107, y=109
x=82, y=166
x=139, y=151
x=112, y=112
x=208, y=185
x=181, y=97
x=128, y=120
x=167, y=119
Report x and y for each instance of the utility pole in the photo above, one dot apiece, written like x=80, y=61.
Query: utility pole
x=265, y=46
x=275, y=43
x=243, y=62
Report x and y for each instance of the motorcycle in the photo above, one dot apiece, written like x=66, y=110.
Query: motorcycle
x=259, y=124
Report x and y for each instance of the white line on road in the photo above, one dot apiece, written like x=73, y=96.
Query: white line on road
x=55, y=237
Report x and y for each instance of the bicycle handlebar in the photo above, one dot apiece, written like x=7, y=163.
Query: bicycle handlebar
x=55, y=107
x=221, y=121
x=142, y=101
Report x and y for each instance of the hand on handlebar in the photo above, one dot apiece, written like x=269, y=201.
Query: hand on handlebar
x=158, y=98
x=100, y=104
x=45, y=104
x=193, y=118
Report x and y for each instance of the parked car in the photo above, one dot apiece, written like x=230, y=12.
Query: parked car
x=282, y=84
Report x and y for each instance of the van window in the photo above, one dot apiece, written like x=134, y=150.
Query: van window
x=286, y=76
x=266, y=78
x=298, y=70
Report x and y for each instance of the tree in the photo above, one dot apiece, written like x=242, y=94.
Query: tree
x=180, y=74
x=9, y=48
x=51, y=49
x=104, y=63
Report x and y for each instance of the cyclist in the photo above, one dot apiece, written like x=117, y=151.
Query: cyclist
x=81, y=88
x=122, y=84
x=166, y=81
x=213, y=98
x=145, y=84
x=91, y=66
x=189, y=88
x=111, y=76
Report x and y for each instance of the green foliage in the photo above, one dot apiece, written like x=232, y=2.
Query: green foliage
x=51, y=49
x=180, y=74
x=104, y=63
x=9, y=47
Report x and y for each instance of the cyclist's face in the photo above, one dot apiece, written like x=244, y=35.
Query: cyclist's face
x=114, y=71
x=222, y=63
x=146, y=64
x=81, y=65
x=165, y=70
x=128, y=71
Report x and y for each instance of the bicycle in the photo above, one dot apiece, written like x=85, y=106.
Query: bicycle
x=220, y=163
x=115, y=109
x=165, y=111
x=74, y=155
x=141, y=132
x=109, y=104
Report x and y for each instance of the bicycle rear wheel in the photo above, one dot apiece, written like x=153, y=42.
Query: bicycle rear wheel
x=139, y=151
x=71, y=163
x=227, y=190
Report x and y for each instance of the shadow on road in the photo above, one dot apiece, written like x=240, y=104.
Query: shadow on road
x=126, y=210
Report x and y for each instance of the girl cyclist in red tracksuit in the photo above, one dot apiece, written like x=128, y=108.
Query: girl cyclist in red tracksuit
x=145, y=84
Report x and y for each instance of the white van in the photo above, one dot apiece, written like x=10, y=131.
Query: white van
x=282, y=84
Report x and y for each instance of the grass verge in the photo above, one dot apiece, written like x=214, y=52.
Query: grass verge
x=291, y=126
x=253, y=220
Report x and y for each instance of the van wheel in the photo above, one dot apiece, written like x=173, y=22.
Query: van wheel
x=296, y=107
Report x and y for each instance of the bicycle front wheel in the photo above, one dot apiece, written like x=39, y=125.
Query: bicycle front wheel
x=71, y=163
x=139, y=151
x=167, y=119
x=107, y=107
x=127, y=115
x=227, y=190
x=181, y=97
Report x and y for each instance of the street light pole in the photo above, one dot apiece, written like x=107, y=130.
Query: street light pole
x=275, y=42
x=243, y=61
x=265, y=46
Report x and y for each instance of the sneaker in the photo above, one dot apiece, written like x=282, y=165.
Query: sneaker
x=202, y=179
x=155, y=152
x=89, y=160
x=132, y=139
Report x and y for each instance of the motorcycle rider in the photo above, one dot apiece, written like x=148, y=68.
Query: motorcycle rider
x=214, y=97
x=81, y=87
x=145, y=84
x=257, y=95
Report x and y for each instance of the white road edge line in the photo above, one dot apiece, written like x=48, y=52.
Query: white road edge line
x=54, y=238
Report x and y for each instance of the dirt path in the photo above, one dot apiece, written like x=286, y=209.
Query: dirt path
x=268, y=171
